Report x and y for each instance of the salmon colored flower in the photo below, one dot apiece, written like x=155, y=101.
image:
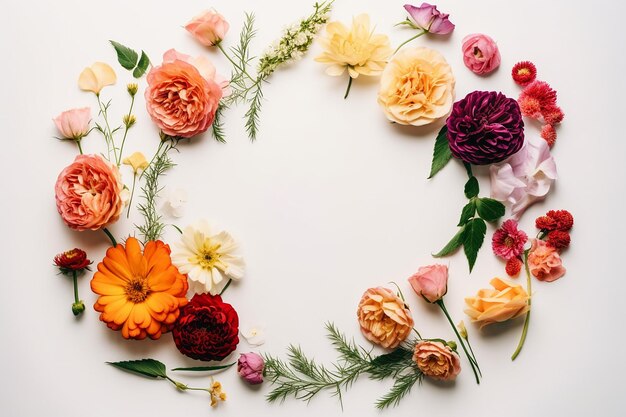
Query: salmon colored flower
x=436, y=360
x=384, y=318
x=504, y=302
x=544, y=261
x=209, y=27
x=139, y=293
x=96, y=77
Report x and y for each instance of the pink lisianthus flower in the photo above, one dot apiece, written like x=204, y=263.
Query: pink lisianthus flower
x=73, y=124
x=524, y=178
x=544, y=261
x=508, y=241
x=480, y=53
x=209, y=27
x=428, y=18
x=430, y=282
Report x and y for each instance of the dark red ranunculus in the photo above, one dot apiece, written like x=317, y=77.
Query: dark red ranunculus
x=72, y=260
x=207, y=328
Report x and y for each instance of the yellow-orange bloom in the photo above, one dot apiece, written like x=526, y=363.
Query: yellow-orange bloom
x=140, y=293
x=505, y=302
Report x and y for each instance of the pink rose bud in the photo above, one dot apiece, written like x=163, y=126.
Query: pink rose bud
x=73, y=124
x=428, y=18
x=480, y=53
x=209, y=27
x=431, y=282
x=250, y=368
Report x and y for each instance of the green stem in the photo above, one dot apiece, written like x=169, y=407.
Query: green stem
x=184, y=387
x=132, y=193
x=75, y=278
x=80, y=148
x=106, y=231
x=527, y=319
x=126, y=127
x=471, y=361
x=108, y=136
x=243, y=70
x=226, y=286
x=468, y=168
x=348, y=89
x=409, y=40
x=156, y=154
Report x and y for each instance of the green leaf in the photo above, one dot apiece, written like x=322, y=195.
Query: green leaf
x=441, y=154
x=489, y=209
x=398, y=355
x=125, y=56
x=142, y=65
x=473, y=239
x=452, y=245
x=468, y=212
x=471, y=187
x=147, y=367
x=205, y=368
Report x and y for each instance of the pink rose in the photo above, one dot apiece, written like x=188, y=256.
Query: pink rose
x=89, y=193
x=480, y=53
x=73, y=124
x=250, y=368
x=183, y=94
x=431, y=282
x=209, y=27
x=544, y=261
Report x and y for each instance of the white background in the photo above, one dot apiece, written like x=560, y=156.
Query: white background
x=330, y=200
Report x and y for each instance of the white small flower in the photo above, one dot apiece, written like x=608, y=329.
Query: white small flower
x=174, y=202
x=253, y=333
x=205, y=254
x=301, y=39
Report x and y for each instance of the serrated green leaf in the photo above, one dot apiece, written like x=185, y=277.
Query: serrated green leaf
x=441, y=153
x=142, y=65
x=467, y=213
x=125, y=56
x=205, y=368
x=489, y=209
x=146, y=367
x=452, y=245
x=473, y=238
x=471, y=188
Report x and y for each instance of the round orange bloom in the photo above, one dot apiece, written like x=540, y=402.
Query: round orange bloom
x=140, y=293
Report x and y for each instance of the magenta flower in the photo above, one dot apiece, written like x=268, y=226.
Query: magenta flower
x=250, y=368
x=429, y=19
x=508, y=241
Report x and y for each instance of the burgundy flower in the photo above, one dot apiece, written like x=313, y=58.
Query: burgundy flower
x=207, y=328
x=72, y=260
x=485, y=127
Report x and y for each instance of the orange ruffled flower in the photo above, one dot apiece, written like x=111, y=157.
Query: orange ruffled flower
x=140, y=293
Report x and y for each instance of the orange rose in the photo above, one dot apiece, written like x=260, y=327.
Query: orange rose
x=384, y=318
x=505, y=302
x=436, y=360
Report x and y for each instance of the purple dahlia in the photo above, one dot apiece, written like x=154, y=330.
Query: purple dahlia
x=485, y=127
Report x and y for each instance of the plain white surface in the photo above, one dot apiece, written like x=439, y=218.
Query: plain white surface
x=331, y=200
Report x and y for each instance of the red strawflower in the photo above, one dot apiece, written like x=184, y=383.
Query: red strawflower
x=548, y=133
x=508, y=242
x=553, y=115
x=529, y=106
x=545, y=223
x=513, y=267
x=524, y=73
x=537, y=93
x=563, y=218
x=558, y=239
x=72, y=260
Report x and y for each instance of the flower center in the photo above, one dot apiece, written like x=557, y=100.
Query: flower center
x=509, y=241
x=208, y=256
x=523, y=71
x=137, y=290
x=477, y=52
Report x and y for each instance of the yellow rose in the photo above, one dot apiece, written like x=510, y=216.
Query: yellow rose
x=505, y=302
x=137, y=161
x=96, y=77
x=384, y=318
x=417, y=87
x=358, y=49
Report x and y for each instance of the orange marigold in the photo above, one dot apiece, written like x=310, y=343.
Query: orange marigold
x=140, y=293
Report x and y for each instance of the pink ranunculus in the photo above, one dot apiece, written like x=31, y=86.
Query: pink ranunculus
x=428, y=18
x=480, y=53
x=183, y=94
x=524, y=178
x=431, y=282
x=73, y=124
x=209, y=27
x=544, y=261
x=89, y=193
x=250, y=368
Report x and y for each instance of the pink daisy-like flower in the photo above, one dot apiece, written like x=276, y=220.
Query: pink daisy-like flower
x=524, y=73
x=508, y=241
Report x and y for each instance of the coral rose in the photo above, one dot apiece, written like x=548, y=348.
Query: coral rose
x=480, y=53
x=384, y=318
x=430, y=282
x=544, y=261
x=89, y=193
x=207, y=328
x=505, y=302
x=416, y=87
x=436, y=360
x=183, y=95
x=209, y=27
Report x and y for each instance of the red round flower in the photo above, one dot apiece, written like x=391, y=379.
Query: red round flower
x=524, y=73
x=72, y=260
x=545, y=223
x=553, y=115
x=513, y=267
x=548, y=133
x=563, y=218
x=558, y=239
x=207, y=329
x=537, y=98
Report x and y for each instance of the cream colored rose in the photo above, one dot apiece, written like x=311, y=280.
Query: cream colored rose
x=505, y=302
x=436, y=360
x=416, y=87
x=384, y=318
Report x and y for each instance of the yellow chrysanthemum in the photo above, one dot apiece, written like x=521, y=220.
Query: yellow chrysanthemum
x=358, y=49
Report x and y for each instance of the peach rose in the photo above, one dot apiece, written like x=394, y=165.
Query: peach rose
x=74, y=123
x=505, y=302
x=430, y=282
x=209, y=27
x=544, y=261
x=416, y=87
x=89, y=193
x=384, y=318
x=183, y=94
x=436, y=360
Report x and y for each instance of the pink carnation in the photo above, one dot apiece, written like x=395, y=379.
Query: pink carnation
x=508, y=242
x=544, y=261
x=89, y=193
